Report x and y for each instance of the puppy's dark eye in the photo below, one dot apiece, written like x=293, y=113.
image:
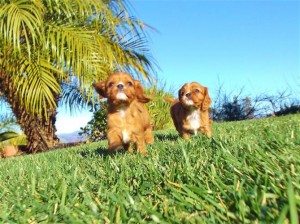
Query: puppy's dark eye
x=111, y=84
x=129, y=83
x=197, y=91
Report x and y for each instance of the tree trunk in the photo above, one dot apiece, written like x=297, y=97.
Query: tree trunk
x=39, y=130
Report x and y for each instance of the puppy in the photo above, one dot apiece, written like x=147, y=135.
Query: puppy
x=190, y=111
x=128, y=119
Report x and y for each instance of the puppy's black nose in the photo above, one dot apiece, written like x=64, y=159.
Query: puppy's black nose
x=120, y=86
x=188, y=95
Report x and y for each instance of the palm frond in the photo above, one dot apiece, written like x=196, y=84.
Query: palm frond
x=83, y=39
x=37, y=85
x=131, y=41
x=72, y=97
x=21, y=22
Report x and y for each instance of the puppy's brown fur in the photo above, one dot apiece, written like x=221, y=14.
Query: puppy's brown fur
x=190, y=111
x=128, y=119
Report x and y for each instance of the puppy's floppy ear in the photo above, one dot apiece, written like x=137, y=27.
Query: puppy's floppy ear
x=179, y=93
x=100, y=88
x=139, y=91
x=206, y=101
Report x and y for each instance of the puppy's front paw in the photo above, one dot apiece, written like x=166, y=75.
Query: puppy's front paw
x=185, y=136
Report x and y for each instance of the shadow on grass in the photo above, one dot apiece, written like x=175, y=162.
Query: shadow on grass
x=166, y=137
x=101, y=151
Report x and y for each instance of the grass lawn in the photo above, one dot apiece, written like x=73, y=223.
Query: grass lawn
x=249, y=172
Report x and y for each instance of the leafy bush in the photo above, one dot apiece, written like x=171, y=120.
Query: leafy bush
x=284, y=110
x=237, y=106
x=159, y=109
x=95, y=130
x=233, y=110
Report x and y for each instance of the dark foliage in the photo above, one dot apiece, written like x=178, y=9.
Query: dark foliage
x=288, y=109
x=233, y=110
x=95, y=129
x=229, y=107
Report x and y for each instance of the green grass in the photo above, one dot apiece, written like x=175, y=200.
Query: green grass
x=249, y=172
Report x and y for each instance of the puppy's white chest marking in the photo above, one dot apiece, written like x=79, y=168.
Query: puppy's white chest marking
x=194, y=120
x=125, y=133
x=125, y=136
x=122, y=113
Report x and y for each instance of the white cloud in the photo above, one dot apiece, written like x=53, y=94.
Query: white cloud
x=66, y=123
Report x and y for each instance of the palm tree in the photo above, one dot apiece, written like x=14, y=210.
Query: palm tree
x=48, y=44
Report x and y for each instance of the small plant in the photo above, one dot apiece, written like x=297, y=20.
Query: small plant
x=8, y=132
x=7, y=135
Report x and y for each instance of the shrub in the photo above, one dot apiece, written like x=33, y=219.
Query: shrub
x=159, y=109
x=238, y=106
x=95, y=130
x=233, y=110
x=284, y=110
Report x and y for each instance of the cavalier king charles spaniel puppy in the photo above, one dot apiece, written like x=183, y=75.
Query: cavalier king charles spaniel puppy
x=128, y=120
x=190, y=111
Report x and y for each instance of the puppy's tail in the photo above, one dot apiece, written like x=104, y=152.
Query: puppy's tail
x=169, y=99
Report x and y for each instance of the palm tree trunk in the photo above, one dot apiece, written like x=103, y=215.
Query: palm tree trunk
x=39, y=130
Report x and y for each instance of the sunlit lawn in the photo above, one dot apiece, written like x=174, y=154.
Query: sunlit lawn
x=248, y=172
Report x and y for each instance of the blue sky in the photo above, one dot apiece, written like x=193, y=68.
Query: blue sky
x=253, y=45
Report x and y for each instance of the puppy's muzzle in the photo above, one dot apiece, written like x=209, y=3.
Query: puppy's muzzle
x=120, y=87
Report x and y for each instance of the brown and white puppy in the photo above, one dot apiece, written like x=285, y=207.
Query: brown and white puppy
x=128, y=119
x=190, y=111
